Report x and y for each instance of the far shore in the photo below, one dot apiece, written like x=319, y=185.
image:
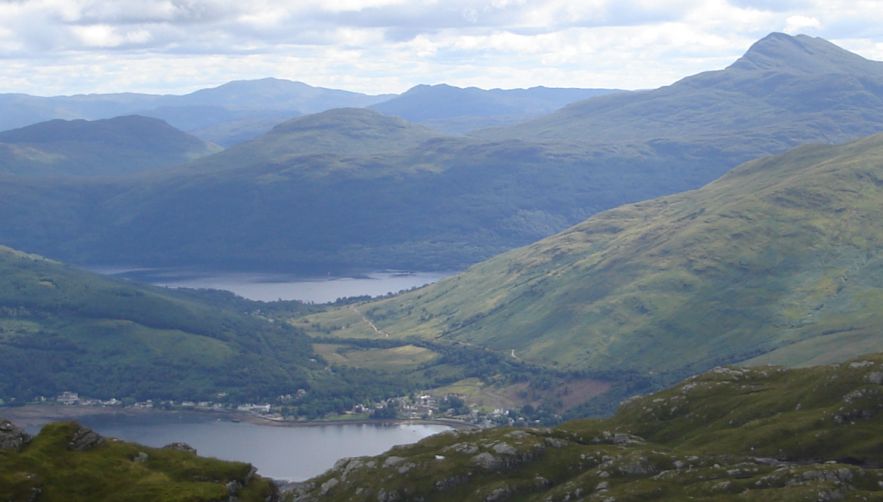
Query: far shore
x=35, y=415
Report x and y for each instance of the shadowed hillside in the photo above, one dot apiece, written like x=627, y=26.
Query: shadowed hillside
x=457, y=110
x=110, y=147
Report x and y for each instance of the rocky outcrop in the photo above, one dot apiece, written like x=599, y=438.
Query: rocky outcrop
x=11, y=436
x=178, y=446
x=84, y=439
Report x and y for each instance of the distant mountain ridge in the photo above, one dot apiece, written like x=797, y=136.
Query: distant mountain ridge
x=454, y=109
x=244, y=109
x=248, y=107
x=785, y=91
x=109, y=147
x=430, y=201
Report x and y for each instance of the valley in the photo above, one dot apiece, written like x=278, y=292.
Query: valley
x=542, y=292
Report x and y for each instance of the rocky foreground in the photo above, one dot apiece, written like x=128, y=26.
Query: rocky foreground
x=69, y=462
x=731, y=434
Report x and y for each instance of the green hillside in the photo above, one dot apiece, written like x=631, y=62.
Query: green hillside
x=763, y=434
x=343, y=132
x=118, y=146
x=779, y=260
x=68, y=462
x=66, y=329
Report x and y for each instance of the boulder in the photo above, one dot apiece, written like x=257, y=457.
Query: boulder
x=11, y=436
x=84, y=439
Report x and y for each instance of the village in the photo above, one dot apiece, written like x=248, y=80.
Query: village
x=450, y=409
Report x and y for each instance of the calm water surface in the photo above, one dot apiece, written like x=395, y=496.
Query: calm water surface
x=280, y=286
x=284, y=453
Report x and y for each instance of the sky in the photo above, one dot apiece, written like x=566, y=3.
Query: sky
x=50, y=47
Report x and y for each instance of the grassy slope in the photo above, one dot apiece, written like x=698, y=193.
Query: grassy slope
x=66, y=329
x=731, y=434
x=47, y=469
x=780, y=256
x=109, y=147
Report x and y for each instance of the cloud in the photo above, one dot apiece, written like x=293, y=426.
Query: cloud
x=60, y=46
x=801, y=24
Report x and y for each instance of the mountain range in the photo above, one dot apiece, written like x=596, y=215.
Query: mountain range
x=244, y=109
x=433, y=201
x=225, y=114
x=453, y=109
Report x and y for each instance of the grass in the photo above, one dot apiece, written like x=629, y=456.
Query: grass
x=730, y=434
x=49, y=469
x=392, y=359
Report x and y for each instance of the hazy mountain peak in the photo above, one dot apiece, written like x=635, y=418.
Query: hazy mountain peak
x=345, y=119
x=800, y=53
x=112, y=146
x=79, y=129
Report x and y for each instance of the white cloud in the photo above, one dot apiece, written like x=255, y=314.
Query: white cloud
x=60, y=46
x=801, y=24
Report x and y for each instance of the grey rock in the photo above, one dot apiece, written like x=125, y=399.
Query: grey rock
x=486, y=460
x=497, y=494
x=84, y=439
x=392, y=461
x=12, y=437
x=465, y=448
x=504, y=449
x=141, y=457
x=180, y=447
x=328, y=485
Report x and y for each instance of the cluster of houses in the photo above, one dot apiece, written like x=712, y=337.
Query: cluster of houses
x=421, y=406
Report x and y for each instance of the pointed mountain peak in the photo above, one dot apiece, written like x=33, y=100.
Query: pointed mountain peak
x=802, y=54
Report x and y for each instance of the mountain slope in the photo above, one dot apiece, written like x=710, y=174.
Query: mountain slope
x=454, y=109
x=117, y=146
x=68, y=462
x=779, y=257
x=342, y=132
x=66, y=329
x=783, y=92
x=731, y=434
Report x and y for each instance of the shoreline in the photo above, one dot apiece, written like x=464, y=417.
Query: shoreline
x=34, y=415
